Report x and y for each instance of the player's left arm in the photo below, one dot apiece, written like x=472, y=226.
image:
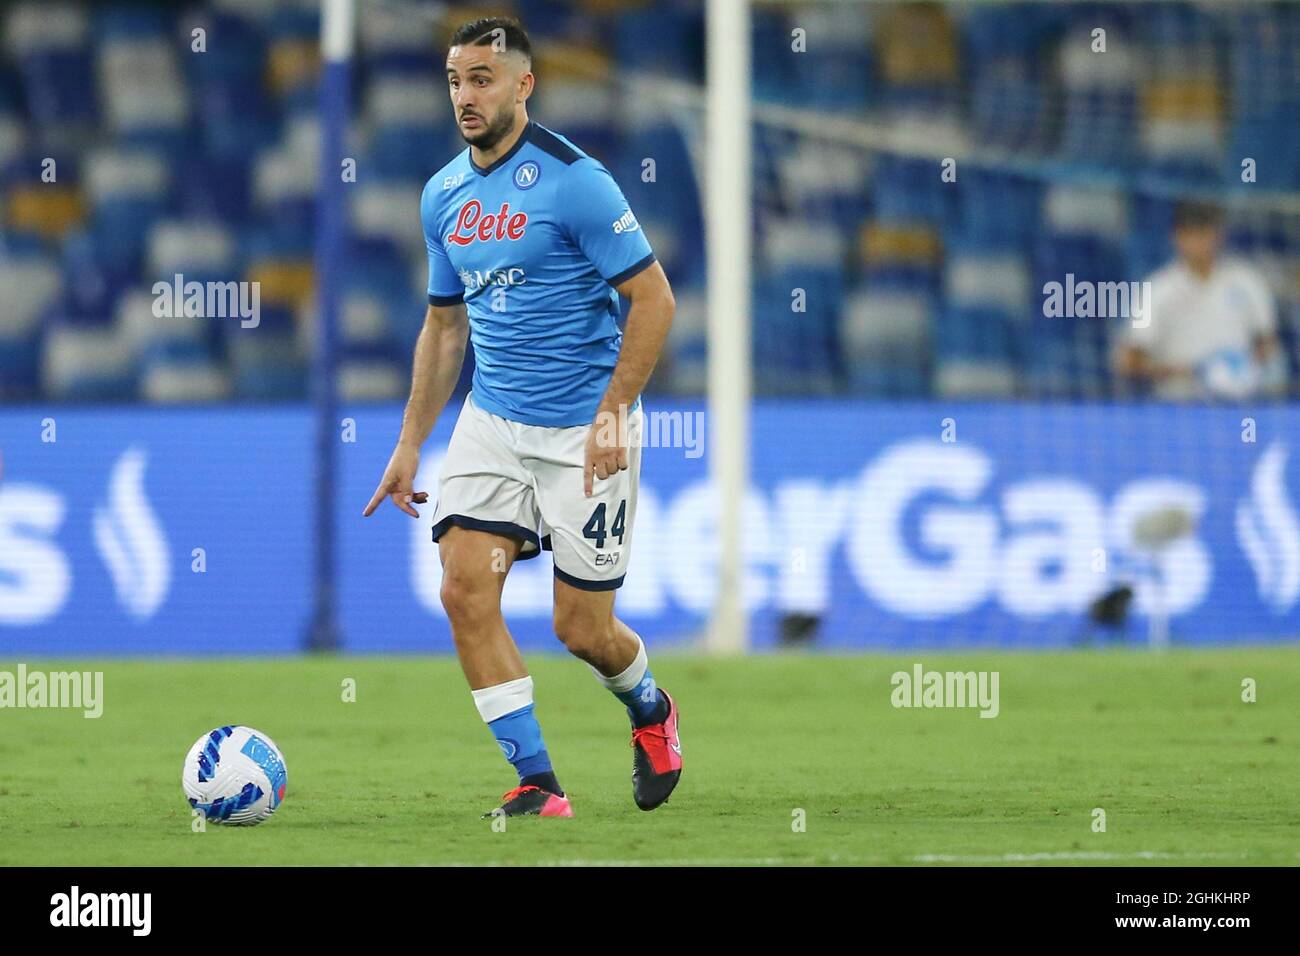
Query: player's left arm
x=1261, y=315
x=648, y=321
x=600, y=222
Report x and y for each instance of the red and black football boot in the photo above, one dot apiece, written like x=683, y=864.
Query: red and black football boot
x=656, y=759
x=531, y=801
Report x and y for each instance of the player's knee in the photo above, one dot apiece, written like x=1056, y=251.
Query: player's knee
x=468, y=599
x=582, y=633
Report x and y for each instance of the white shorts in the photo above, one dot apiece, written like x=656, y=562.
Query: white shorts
x=525, y=482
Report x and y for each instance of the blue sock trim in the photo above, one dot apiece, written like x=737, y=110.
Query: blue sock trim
x=643, y=699
x=519, y=736
x=530, y=766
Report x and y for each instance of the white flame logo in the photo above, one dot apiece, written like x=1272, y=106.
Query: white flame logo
x=131, y=541
x=1269, y=532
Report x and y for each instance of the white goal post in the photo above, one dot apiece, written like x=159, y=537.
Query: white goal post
x=728, y=231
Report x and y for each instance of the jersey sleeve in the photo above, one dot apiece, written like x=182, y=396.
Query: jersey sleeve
x=1146, y=332
x=600, y=222
x=445, y=287
x=1261, y=312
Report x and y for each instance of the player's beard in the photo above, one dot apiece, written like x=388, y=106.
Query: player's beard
x=494, y=131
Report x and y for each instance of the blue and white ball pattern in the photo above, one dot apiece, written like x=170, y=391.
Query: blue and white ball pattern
x=1230, y=374
x=235, y=775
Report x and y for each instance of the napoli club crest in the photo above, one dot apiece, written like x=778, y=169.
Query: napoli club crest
x=526, y=174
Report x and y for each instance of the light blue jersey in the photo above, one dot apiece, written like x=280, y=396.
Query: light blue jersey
x=534, y=244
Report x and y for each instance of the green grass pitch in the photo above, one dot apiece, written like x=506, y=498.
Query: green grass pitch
x=1185, y=770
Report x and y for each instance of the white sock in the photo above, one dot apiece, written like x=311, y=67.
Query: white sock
x=630, y=676
x=501, y=699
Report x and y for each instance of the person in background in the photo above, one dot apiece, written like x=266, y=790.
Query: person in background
x=1210, y=331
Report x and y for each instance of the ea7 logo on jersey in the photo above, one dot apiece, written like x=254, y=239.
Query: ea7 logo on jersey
x=626, y=223
x=473, y=225
x=450, y=182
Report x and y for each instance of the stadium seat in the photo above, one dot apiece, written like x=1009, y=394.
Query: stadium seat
x=1082, y=211
x=995, y=210
x=909, y=190
x=770, y=43
x=387, y=210
x=92, y=281
x=127, y=192
x=410, y=122
x=169, y=336
x=1182, y=127
x=365, y=320
x=1100, y=96
x=684, y=368
x=285, y=176
x=268, y=365
x=184, y=381
x=31, y=287
x=372, y=379
x=13, y=140
x=48, y=211
x=50, y=43
x=837, y=193
x=678, y=48
x=142, y=89
x=87, y=364
x=917, y=52
x=900, y=255
x=838, y=76
x=796, y=328
x=199, y=250
x=975, y=277
x=885, y=336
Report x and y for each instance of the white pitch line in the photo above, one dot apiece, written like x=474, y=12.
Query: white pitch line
x=1085, y=855
x=834, y=859
x=694, y=861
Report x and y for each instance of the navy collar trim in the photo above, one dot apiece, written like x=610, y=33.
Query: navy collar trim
x=519, y=144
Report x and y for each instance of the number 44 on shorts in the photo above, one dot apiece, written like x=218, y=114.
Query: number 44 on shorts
x=595, y=526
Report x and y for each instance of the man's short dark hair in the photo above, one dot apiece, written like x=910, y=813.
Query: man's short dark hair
x=1195, y=213
x=507, y=32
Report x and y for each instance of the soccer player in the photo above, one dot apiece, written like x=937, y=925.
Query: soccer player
x=529, y=239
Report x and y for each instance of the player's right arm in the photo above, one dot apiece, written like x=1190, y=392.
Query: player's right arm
x=439, y=354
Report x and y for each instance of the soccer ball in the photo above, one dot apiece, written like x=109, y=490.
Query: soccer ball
x=234, y=775
x=1230, y=374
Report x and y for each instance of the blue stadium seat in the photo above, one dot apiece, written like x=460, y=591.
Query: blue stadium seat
x=909, y=190
x=131, y=22
x=984, y=277
x=1150, y=247
x=87, y=364
x=1009, y=105
x=267, y=366
x=995, y=209
x=371, y=372
x=92, y=282
x=166, y=337
x=1068, y=356
x=31, y=288
x=885, y=342
x=184, y=380
x=50, y=45
x=677, y=50
x=797, y=352
x=128, y=193
x=974, y=332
